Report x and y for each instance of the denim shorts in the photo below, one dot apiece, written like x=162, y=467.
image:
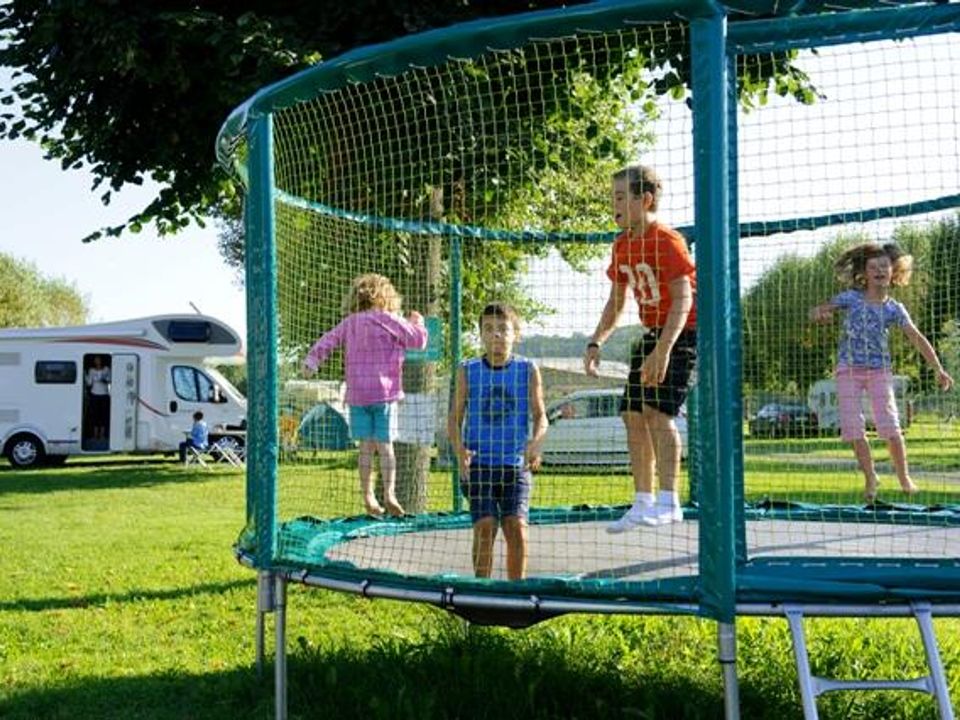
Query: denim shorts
x=497, y=491
x=377, y=422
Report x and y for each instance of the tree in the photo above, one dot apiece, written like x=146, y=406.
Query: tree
x=138, y=90
x=28, y=299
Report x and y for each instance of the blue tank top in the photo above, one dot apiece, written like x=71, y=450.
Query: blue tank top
x=497, y=418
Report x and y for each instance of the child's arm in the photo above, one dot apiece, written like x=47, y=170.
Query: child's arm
x=410, y=331
x=608, y=321
x=920, y=342
x=321, y=349
x=822, y=313
x=654, y=368
x=455, y=422
x=539, y=416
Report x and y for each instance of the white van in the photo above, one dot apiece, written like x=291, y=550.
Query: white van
x=50, y=409
x=822, y=399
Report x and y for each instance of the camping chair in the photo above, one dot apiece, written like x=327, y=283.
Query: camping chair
x=195, y=455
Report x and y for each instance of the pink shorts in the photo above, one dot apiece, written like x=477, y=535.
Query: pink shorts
x=878, y=384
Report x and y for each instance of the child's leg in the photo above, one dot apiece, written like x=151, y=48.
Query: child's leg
x=898, y=456
x=887, y=420
x=851, y=384
x=388, y=474
x=861, y=449
x=641, y=448
x=484, y=534
x=515, y=535
x=365, y=463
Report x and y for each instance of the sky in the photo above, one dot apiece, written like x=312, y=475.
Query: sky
x=46, y=211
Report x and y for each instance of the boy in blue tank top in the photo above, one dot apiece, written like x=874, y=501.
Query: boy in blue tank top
x=489, y=426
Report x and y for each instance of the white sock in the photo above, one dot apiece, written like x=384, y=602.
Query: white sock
x=643, y=498
x=668, y=498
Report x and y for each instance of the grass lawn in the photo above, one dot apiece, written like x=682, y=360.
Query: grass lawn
x=120, y=598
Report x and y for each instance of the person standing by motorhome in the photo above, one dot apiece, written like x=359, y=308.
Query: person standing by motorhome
x=489, y=426
x=864, y=365
x=97, y=381
x=375, y=338
x=651, y=260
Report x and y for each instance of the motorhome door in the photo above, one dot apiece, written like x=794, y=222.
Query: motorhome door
x=124, y=391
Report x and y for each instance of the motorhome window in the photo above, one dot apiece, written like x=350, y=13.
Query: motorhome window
x=55, y=372
x=192, y=331
x=192, y=385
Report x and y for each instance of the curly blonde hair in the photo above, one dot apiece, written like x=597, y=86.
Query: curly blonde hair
x=371, y=292
x=851, y=266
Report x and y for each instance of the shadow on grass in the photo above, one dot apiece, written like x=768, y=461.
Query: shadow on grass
x=84, y=601
x=235, y=694
x=461, y=679
x=589, y=670
x=107, y=475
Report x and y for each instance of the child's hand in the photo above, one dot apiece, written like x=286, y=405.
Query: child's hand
x=532, y=457
x=821, y=313
x=653, y=371
x=466, y=459
x=944, y=380
x=591, y=361
x=307, y=371
x=415, y=318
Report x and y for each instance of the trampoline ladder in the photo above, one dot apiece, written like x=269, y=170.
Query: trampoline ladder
x=812, y=686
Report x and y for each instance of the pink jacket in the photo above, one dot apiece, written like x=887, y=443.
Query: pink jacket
x=375, y=342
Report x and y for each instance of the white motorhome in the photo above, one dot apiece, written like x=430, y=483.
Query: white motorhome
x=822, y=399
x=158, y=378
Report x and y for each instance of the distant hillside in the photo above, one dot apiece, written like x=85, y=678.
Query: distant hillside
x=617, y=346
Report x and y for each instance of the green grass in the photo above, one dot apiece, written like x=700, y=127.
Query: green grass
x=120, y=598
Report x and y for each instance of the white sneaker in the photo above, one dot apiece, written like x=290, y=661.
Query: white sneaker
x=662, y=515
x=631, y=519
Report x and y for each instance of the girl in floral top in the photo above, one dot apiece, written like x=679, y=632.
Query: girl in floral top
x=863, y=363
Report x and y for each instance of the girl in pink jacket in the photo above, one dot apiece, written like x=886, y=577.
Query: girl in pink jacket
x=374, y=336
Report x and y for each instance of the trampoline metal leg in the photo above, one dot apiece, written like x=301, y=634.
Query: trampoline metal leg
x=265, y=604
x=939, y=688
x=808, y=690
x=280, y=663
x=727, y=655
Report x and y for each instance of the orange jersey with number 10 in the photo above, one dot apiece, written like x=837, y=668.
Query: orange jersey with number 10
x=648, y=264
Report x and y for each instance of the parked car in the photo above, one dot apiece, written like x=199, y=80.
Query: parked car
x=782, y=420
x=586, y=429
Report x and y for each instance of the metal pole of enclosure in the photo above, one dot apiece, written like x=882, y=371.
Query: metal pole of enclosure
x=456, y=312
x=261, y=270
x=715, y=338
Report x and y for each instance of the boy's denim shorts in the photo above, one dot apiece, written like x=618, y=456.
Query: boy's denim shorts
x=498, y=491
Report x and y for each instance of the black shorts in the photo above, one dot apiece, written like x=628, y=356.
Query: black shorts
x=670, y=396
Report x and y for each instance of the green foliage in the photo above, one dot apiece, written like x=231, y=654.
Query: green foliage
x=138, y=90
x=28, y=299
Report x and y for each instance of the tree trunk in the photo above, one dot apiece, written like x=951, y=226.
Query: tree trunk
x=419, y=378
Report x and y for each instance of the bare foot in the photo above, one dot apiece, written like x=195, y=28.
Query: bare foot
x=908, y=486
x=870, y=490
x=394, y=507
x=373, y=507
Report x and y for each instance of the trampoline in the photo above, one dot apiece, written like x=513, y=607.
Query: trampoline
x=473, y=162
